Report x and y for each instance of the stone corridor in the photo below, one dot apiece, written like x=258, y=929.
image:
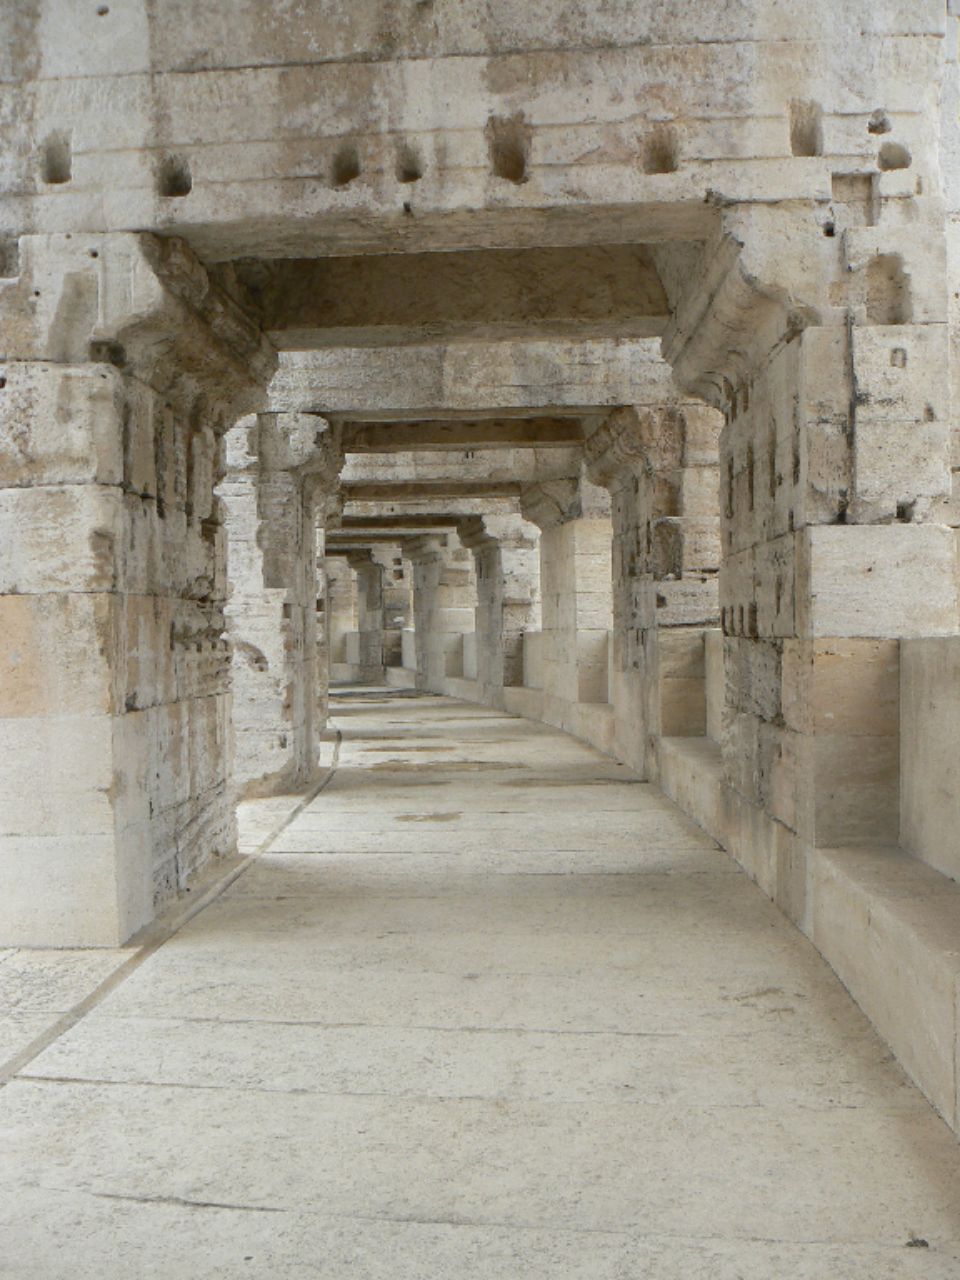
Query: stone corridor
x=486, y=1006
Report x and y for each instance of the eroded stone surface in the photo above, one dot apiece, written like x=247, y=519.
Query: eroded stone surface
x=492, y=1050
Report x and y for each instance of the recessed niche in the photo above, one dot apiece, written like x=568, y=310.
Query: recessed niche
x=346, y=165
x=508, y=140
x=893, y=155
x=409, y=166
x=661, y=150
x=57, y=159
x=806, y=128
x=174, y=178
x=889, y=298
x=9, y=258
x=879, y=122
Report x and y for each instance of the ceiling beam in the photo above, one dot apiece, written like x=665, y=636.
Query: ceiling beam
x=492, y=433
x=369, y=491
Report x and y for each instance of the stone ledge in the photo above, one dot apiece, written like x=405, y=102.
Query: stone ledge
x=525, y=702
x=886, y=923
x=890, y=928
x=462, y=689
x=400, y=677
x=691, y=775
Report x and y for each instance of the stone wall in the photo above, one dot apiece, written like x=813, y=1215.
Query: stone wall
x=122, y=370
x=275, y=463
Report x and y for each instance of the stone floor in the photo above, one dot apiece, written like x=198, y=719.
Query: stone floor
x=486, y=1007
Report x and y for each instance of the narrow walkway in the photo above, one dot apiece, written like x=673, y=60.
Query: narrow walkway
x=489, y=1008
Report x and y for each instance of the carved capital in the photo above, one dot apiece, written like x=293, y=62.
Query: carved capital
x=144, y=304
x=551, y=502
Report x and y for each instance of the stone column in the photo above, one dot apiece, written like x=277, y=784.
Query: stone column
x=576, y=592
x=397, y=612
x=444, y=604
x=659, y=464
x=369, y=575
x=341, y=610
x=280, y=468
x=821, y=334
x=507, y=561
x=124, y=366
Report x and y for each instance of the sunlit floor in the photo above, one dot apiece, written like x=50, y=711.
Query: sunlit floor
x=487, y=1007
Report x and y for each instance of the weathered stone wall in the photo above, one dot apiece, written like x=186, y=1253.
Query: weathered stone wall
x=575, y=595
x=275, y=464
x=444, y=110
x=122, y=370
x=929, y=763
x=659, y=463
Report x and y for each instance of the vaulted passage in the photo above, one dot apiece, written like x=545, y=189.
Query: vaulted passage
x=487, y=1006
x=572, y=390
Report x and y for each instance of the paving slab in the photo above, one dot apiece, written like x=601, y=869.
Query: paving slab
x=464, y=1021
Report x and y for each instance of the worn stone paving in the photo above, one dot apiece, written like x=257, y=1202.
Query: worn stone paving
x=487, y=1007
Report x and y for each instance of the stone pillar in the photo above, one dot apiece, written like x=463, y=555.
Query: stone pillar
x=821, y=333
x=576, y=592
x=279, y=468
x=661, y=469
x=507, y=562
x=444, y=604
x=397, y=611
x=322, y=628
x=342, y=612
x=369, y=576
x=123, y=367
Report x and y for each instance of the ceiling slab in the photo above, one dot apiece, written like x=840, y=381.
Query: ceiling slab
x=399, y=299
x=491, y=433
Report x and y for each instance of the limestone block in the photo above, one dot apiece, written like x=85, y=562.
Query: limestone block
x=150, y=672
x=60, y=538
x=901, y=439
x=681, y=653
x=781, y=774
x=533, y=660
x=900, y=372
x=455, y=619
x=714, y=681
x=691, y=775
x=824, y=389
x=682, y=545
x=845, y=686
x=753, y=676
x=775, y=567
x=593, y=610
x=737, y=589
x=683, y=710
x=408, y=648
x=740, y=749
x=592, y=537
x=920, y=260
x=751, y=835
x=62, y=893
x=60, y=425
x=56, y=655
x=689, y=602
x=76, y=798
x=700, y=491
x=889, y=926
x=890, y=580
x=929, y=761
x=856, y=789
x=137, y=782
